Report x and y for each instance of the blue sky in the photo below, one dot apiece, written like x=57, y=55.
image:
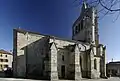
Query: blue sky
x=54, y=17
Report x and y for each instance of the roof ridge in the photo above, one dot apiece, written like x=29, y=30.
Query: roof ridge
x=4, y=51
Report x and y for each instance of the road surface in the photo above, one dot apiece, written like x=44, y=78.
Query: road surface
x=110, y=79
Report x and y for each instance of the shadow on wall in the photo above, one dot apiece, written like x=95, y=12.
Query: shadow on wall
x=66, y=63
x=34, y=59
x=20, y=65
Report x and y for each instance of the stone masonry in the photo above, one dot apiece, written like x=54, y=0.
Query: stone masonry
x=46, y=57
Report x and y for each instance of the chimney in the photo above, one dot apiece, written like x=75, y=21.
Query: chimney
x=112, y=59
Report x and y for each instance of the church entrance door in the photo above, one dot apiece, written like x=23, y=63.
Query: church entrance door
x=63, y=71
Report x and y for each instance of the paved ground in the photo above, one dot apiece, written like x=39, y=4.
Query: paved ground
x=13, y=79
x=109, y=79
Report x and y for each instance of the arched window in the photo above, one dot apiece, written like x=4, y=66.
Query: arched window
x=95, y=64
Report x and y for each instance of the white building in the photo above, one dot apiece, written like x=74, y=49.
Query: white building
x=6, y=59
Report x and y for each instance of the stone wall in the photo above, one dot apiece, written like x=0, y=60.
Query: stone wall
x=29, y=46
x=61, y=43
x=77, y=63
x=62, y=52
x=97, y=70
x=83, y=57
x=94, y=66
x=21, y=39
x=113, y=69
x=53, y=63
x=37, y=51
x=66, y=58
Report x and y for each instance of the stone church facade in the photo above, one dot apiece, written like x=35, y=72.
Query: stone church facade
x=52, y=58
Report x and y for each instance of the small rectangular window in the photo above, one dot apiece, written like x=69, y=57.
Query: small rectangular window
x=6, y=60
x=62, y=57
x=1, y=60
x=5, y=66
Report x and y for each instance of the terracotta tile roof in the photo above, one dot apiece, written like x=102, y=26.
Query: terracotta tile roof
x=4, y=52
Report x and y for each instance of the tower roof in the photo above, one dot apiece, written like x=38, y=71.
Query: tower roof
x=84, y=5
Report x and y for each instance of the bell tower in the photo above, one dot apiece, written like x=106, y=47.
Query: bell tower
x=85, y=28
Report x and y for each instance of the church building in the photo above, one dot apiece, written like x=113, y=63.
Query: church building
x=52, y=58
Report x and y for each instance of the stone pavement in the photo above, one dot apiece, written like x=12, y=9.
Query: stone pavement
x=109, y=79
